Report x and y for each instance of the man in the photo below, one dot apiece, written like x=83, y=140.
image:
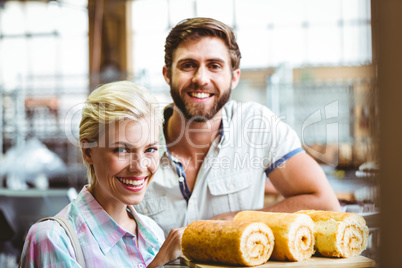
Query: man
x=219, y=153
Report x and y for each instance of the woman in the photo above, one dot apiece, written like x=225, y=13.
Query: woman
x=119, y=133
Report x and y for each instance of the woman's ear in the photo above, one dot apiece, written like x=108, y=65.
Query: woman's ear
x=86, y=151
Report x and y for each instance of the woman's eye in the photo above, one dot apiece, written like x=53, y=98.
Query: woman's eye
x=121, y=150
x=151, y=150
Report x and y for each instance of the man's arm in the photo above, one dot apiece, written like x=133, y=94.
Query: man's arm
x=303, y=184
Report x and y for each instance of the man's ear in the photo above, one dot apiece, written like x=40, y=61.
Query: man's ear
x=235, y=78
x=166, y=74
x=86, y=151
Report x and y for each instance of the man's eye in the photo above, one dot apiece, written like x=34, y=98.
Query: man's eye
x=215, y=66
x=187, y=66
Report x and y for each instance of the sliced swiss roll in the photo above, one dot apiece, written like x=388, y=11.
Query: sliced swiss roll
x=294, y=233
x=338, y=234
x=228, y=242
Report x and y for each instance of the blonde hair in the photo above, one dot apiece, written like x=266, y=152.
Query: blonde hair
x=115, y=102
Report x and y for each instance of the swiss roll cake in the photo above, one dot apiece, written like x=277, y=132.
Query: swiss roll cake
x=338, y=234
x=294, y=233
x=228, y=242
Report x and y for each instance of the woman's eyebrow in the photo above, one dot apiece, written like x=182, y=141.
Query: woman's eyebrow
x=131, y=146
x=122, y=143
x=154, y=143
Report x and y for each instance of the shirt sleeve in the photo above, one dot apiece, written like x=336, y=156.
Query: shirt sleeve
x=282, y=139
x=47, y=245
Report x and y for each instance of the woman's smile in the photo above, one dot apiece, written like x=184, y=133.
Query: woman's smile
x=133, y=183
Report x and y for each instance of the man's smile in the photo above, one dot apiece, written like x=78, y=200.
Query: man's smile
x=200, y=95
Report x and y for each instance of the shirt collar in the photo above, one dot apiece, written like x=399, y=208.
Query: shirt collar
x=144, y=231
x=168, y=112
x=104, y=229
x=224, y=125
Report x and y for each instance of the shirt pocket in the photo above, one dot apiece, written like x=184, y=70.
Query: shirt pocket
x=158, y=209
x=230, y=193
x=153, y=205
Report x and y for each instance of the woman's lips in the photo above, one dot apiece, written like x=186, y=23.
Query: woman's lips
x=134, y=182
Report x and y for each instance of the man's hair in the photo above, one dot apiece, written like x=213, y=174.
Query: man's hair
x=197, y=28
x=112, y=103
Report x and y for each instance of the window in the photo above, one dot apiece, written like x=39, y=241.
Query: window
x=39, y=39
x=307, y=32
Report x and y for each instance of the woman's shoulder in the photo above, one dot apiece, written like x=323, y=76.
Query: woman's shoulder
x=51, y=229
x=75, y=211
x=46, y=243
x=44, y=233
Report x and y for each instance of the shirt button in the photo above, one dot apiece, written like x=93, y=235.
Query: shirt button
x=181, y=179
x=141, y=265
x=146, y=211
x=231, y=187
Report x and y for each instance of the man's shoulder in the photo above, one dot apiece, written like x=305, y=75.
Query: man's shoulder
x=248, y=108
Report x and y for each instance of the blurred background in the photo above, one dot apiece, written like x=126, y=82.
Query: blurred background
x=313, y=62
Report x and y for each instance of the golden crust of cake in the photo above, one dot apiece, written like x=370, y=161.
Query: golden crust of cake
x=228, y=242
x=294, y=233
x=338, y=234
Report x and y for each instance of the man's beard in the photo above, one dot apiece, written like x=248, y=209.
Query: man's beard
x=195, y=111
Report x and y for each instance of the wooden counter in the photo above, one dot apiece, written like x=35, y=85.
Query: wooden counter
x=355, y=262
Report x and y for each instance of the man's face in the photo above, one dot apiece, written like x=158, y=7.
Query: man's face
x=201, y=78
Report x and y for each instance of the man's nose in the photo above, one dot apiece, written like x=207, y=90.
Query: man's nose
x=201, y=77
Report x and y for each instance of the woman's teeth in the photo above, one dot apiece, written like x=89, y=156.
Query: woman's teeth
x=200, y=95
x=131, y=182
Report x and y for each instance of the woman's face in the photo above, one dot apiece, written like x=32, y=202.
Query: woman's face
x=124, y=160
